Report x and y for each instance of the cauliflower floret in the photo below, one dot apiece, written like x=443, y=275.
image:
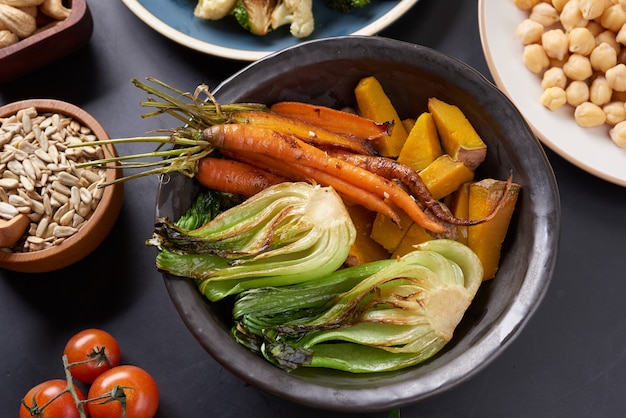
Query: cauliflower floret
x=213, y=9
x=298, y=14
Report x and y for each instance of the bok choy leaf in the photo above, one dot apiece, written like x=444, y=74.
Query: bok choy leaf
x=288, y=233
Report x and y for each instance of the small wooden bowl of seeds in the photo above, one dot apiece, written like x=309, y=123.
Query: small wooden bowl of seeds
x=52, y=211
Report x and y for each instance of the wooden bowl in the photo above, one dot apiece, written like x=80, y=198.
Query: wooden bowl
x=49, y=45
x=101, y=220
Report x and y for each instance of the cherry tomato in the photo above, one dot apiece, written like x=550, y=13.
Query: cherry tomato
x=125, y=384
x=62, y=407
x=96, y=350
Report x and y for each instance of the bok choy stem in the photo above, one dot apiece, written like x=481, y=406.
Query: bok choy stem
x=401, y=314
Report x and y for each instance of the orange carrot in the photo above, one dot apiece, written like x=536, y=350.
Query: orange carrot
x=298, y=172
x=234, y=177
x=345, y=123
x=250, y=138
x=307, y=132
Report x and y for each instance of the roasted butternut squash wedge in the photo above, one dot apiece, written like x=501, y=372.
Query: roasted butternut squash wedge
x=373, y=103
x=459, y=138
x=364, y=249
x=422, y=145
x=387, y=233
x=415, y=235
x=444, y=175
x=408, y=124
x=486, y=238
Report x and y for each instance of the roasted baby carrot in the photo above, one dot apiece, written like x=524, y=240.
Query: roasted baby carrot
x=307, y=132
x=339, y=121
x=250, y=138
x=234, y=177
x=299, y=172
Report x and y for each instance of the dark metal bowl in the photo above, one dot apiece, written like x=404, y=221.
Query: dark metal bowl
x=326, y=72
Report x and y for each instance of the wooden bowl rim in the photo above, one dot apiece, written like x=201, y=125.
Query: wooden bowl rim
x=12, y=261
x=78, y=7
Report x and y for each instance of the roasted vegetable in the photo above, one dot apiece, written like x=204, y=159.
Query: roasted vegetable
x=360, y=321
x=288, y=233
x=260, y=17
x=346, y=6
x=459, y=138
x=373, y=103
x=208, y=204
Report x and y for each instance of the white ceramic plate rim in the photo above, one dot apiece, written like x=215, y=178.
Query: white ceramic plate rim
x=250, y=55
x=590, y=149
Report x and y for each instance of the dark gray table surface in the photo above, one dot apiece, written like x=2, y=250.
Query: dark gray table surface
x=569, y=361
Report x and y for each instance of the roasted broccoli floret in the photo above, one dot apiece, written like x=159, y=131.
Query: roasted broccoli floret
x=263, y=16
x=346, y=6
x=254, y=15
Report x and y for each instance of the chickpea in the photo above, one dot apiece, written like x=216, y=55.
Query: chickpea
x=608, y=37
x=545, y=14
x=581, y=41
x=616, y=77
x=525, y=4
x=529, y=32
x=535, y=58
x=603, y=57
x=554, y=77
x=595, y=28
x=615, y=112
x=577, y=67
x=613, y=18
x=553, y=98
x=559, y=4
x=588, y=115
x=599, y=92
x=577, y=92
x=618, y=134
x=555, y=43
x=571, y=16
x=591, y=9
x=621, y=35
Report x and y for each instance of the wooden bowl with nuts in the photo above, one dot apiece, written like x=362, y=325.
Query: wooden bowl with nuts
x=35, y=33
x=52, y=211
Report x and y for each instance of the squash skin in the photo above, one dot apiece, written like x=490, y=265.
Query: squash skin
x=486, y=238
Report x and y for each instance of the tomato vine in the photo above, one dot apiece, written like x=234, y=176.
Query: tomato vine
x=115, y=390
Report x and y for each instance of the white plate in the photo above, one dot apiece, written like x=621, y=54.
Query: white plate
x=591, y=149
x=174, y=19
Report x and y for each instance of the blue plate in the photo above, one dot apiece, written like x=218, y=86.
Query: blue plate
x=175, y=20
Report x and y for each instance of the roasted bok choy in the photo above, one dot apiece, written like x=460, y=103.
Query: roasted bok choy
x=286, y=234
x=375, y=317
